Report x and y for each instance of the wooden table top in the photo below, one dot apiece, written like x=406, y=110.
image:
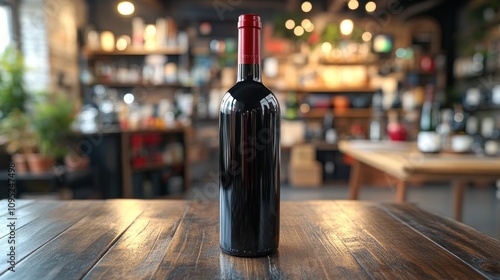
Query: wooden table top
x=402, y=159
x=159, y=239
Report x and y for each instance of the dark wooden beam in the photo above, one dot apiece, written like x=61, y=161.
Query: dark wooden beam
x=335, y=6
x=419, y=8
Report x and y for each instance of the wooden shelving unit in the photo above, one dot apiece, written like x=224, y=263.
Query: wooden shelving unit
x=121, y=139
x=177, y=134
x=319, y=113
x=139, y=84
x=326, y=90
x=137, y=51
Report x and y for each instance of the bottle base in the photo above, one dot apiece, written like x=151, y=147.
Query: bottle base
x=246, y=254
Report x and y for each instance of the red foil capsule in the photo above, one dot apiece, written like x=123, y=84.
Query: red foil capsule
x=249, y=27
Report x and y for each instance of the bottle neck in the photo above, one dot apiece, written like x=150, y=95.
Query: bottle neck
x=249, y=54
x=249, y=72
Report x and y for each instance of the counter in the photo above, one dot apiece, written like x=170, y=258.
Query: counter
x=401, y=162
x=131, y=239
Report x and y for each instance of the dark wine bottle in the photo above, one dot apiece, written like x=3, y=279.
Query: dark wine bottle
x=428, y=140
x=292, y=106
x=490, y=131
x=249, y=155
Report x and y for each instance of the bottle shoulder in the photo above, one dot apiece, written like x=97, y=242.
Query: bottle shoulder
x=242, y=88
x=248, y=94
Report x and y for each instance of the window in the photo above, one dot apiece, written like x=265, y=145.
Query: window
x=5, y=26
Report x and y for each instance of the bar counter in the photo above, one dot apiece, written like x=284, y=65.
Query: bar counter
x=160, y=239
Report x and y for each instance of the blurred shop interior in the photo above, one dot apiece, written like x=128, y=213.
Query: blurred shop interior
x=112, y=99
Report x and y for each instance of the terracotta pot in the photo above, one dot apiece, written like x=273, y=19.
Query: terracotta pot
x=76, y=162
x=21, y=163
x=40, y=164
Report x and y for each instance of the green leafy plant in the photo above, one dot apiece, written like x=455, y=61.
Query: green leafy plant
x=12, y=93
x=52, y=119
x=18, y=133
x=331, y=34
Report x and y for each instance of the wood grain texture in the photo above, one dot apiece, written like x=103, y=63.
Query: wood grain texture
x=143, y=245
x=25, y=215
x=166, y=239
x=51, y=219
x=387, y=249
x=70, y=252
x=480, y=252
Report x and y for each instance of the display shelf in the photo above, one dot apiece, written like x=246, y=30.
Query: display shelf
x=326, y=90
x=138, y=51
x=339, y=90
x=175, y=129
x=489, y=107
x=319, y=113
x=156, y=166
x=176, y=134
x=318, y=144
x=139, y=84
x=348, y=63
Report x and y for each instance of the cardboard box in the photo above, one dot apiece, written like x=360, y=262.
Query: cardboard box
x=306, y=174
x=303, y=153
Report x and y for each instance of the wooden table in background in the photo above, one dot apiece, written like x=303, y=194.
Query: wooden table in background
x=176, y=239
x=403, y=162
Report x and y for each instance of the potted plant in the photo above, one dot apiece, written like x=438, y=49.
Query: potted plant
x=12, y=93
x=52, y=118
x=19, y=137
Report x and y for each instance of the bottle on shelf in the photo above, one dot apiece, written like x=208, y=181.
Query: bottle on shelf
x=376, y=130
x=444, y=129
x=473, y=99
x=489, y=133
x=292, y=106
x=427, y=64
x=461, y=142
x=329, y=132
x=397, y=101
x=472, y=130
x=428, y=140
x=492, y=144
x=396, y=130
x=249, y=155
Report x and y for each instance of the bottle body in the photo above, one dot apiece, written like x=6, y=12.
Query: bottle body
x=428, y=139
x=465, y=132
x=249, y=155
x=249, y=160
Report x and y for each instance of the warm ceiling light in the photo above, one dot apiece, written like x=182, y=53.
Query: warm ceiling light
x=353, y=4
x=326, y=47
x=346, y=26
x=125, y=8
x=367, y=36
x=290, y=24
x=305, y=23
x=310, y=27
x=306, y=6
x=298, y=30
x=370, y=7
